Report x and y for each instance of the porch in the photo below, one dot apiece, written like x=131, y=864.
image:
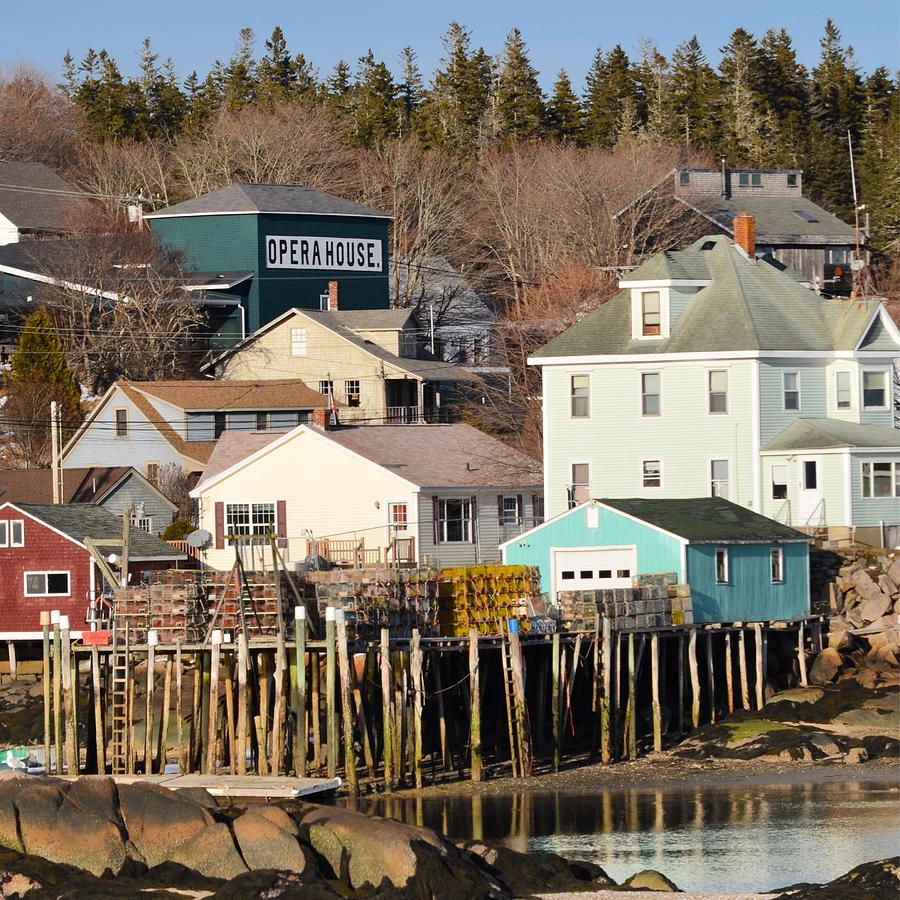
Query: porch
x=356, y=555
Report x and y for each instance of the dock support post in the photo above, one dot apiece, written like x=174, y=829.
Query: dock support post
x=475, y=711
x=229, y=710
x=742, y=667
x=57, y=697
x=315, y=707
x=11, y=655
x=387, y=714
x=729, y=672
x=606, y=665
x=695, y=677
x=556, y=702
x=179, y=727
x=279, y=714
x=680, y=638
x=711, y=677
x=331, y=715
x=163, y=745
x=760, y=674
x=213, y=719
x=346, y=709
x=68, y=698
x=446, y=762
x=654, y=681
x=361, y=722
x=148, y=704
x=301, y=739
x=415, y=667
x=45, y=682
x=631, y=714
x=243, y=661
x=100, y=741
x=523, y=729
x=801, y=653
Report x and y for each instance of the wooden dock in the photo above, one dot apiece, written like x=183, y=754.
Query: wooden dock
x=257, y=787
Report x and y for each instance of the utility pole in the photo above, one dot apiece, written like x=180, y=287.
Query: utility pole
x=431, y=328
x=54, y=452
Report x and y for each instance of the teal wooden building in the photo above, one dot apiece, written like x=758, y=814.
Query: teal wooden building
x=741, y=566
x=265, y=248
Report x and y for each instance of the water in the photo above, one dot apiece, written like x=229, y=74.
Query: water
x=745, y=838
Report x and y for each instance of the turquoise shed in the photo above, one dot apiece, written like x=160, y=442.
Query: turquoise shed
x=740, y=566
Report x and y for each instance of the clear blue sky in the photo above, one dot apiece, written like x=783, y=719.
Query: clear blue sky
x=559, y=33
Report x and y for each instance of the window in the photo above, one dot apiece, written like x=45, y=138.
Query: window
x=651, y=473
x=509, y=510
x=718, y=475
x=721, y=565
x=17, y=533
x=840, y=256
x=454, y=521
x=152, y=473
x=843, y=398
x=580, y=489
x=326, y=387
x=881, y=479
x=790, y=382
x=580, y=392
x=807, y=217
x=792, y=179
x=398, y=516
x=650, y=314
x=246, y=519
x=323, y=302
x=875, y=390
x=684, y=177
x=4, y=534
x=298, y=342
x=568, y=575
x=750, y=179
x=121, y=423
x=718, y=391
x=351, y=391
x=623, y=573
x=650, y=403
x=408, y=344
x=537, y=508
x=777, y=565
x=586, y=574
x=47, y=584
x=779, y=482
x=262, y=421
x=143, y=523
x=220, y=424
x=810, y=475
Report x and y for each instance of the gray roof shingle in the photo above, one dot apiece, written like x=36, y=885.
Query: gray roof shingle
x=269, y=198
x=824, y=434
x=34, y=198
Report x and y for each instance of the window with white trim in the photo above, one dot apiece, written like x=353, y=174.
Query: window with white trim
x=580, y=487
x=298, y=342
x=651, y=473
x=580, y=396
x=721, y=565
x=875, y=389
x=248, y=519
x=351, y=391
x=326, y=387
x=151, y=473
x=881, y=479
x=790, y=385
x=780, y=481
x=143, y=523
x=47, y=584
x=718, y=391
x=398, y=517
x=17, y=533
x=650, y=394
x=4, y=533
x=651, y=314
x=843, y=397
x=324, y=302
x=454, y=520
x=777, y=559
x=510, y=510
x=121, y=423
x=719, y=485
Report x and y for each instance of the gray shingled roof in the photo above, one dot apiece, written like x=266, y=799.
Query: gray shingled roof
x=35, y=210
x=85, y=520
x=749, y=305
x=823, y=434
x=269, y=198
x=776, y=218
x=373, y=319
x=705, y=520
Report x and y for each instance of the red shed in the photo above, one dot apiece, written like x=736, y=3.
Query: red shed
x=45, y=564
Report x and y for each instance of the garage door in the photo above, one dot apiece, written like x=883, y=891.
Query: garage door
x=594, y=568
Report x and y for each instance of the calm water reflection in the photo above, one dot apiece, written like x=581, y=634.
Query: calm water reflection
x=748, y=838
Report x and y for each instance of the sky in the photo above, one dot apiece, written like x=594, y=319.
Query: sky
x=559, y=34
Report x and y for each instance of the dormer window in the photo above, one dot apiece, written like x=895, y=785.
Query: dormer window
x=650, y=314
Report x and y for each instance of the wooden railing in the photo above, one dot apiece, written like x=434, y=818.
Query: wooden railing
x=184, y=547
x=355, y=553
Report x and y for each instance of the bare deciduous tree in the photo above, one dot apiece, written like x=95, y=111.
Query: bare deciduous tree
x=127, y=168
x=173, y=483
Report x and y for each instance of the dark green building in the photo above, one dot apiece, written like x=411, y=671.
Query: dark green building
x=260, y=249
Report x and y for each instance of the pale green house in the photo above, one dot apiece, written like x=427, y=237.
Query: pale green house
x=717, y=372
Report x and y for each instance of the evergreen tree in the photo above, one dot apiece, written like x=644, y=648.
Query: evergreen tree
x=654, y=87
x=611, y=98
x=375, y=102
x=878, y=163
x=694, y=96
x=741, y=139
x=275, y=71
x=520, y=102
x=70, y=76
x=782, y=85
x=564, y=112
x=410, y=91
x=238, y=78
x=339, y=89
x=204, y=99
x=38, y=374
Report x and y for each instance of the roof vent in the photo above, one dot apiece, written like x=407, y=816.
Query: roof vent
x=708, y=245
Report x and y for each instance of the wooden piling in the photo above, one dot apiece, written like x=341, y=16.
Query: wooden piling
x=475, y=706
x=346, y=709
x=680, y=638
x=631, y=714
x=148, y=704
x=695, y=677
x=195, y=737
x=280, y=711
x=523, y=729
x=99, y=732
x=163, y=745
x=361, y=721
x=606, y=665
x=711, y=677
x=556, y=701
x=301, y=738
x=331, y=712
x=213, y=721
x=387, y=715
x=229, y=710
x=315, y=707
x=243, y=662
x=46, y=678
x=442, y=719
x=801, y=653
x=654, y=682
x=418, y=691
x=57, y=700
x=742, y=669
x=71, y=737
x=179, y=727
x=760, y=674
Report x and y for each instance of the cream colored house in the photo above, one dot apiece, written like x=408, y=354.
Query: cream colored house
x=370, y=360
x=367, y=495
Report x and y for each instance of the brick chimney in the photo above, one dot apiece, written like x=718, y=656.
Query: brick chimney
x=333, y=301
x=745, y=234
x=321, y=417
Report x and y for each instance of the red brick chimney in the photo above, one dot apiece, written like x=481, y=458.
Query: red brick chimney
x=333, y=302
x=321, y=416
x=745, y=234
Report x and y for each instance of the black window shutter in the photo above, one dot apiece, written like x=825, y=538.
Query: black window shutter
x=474, y=513
x=435, y=525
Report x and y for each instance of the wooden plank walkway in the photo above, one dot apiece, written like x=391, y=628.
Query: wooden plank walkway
x=274, y=787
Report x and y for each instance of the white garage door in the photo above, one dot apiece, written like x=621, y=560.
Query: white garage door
x=594, y=568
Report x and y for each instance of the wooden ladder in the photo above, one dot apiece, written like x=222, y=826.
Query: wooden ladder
x=509, y=693
x=120, y=693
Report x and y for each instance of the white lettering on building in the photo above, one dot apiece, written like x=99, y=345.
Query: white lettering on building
x=302, y=252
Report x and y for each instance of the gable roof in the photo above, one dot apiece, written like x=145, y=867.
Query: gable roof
x=428, y=456
x=374, y=319
x=86, y=520
x=748, y=305
x=34, y=198
x=294, y=199
x=826, y=434
x=705, y=520
x=204, y=394
x=81, y=485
